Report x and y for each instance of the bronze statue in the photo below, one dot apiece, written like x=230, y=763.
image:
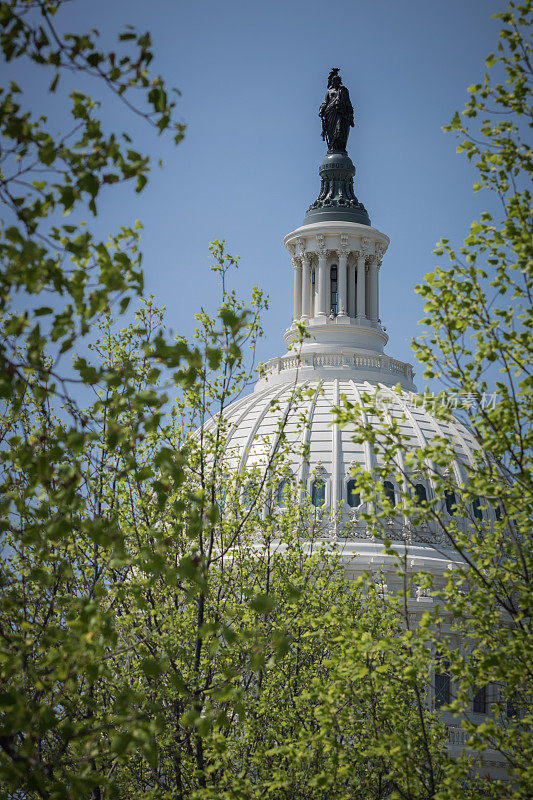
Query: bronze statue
x=336, y=113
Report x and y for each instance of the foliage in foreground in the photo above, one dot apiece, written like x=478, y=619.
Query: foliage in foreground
x=162, y=635
x=176, y=636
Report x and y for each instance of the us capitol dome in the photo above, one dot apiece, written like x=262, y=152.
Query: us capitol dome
x=336, y=257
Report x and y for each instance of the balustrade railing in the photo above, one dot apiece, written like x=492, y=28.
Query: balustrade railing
x=314, y=360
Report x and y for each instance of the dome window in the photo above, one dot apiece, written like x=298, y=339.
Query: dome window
x=476, y=508
x=389, y=492
x=352, y=495
x=318, y=492
x=450, y=501
x=334, y=296
x=281, y=493
x=421, y=495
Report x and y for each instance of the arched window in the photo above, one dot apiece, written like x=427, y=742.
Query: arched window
x=476, y=508
x=334, y=297
x=421, y=495
x=449, y=499
x=497, y=513
x=389, y=492
x=318, y=492
x=352, y=495
x=281, y=493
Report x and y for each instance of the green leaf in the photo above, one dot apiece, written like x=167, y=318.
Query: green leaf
x=262, y=603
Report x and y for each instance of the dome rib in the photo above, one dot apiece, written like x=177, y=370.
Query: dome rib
x=419, y=433
x=398, y=458
x=244, y=401
x=439, y=430
x=252, y=435
x=336, y=448
x=285, y=417
x=370, y=458
x=305, y=463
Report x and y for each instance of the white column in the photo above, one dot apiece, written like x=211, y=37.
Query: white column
x=367, y=293
x=373, y=290
x=361, y=287
x=315, y=284
x=342, y=284
x=297, y=289
x=351, y=289
x=377, y=289
x=306, y=286
x=321, y=284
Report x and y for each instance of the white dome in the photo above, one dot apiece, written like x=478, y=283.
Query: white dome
x=330, y=452
x=337, y=266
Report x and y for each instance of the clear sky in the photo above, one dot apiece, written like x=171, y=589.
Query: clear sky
x=252, y=76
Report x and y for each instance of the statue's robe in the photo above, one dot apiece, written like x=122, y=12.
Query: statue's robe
x=337, y=114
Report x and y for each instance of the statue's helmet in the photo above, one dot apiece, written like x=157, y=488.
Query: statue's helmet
x=334, y=74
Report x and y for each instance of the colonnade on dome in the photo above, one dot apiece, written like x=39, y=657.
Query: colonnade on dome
x=340, y=283
x=336, y=266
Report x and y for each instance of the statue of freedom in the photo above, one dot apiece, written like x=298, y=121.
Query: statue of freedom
x=336, y=113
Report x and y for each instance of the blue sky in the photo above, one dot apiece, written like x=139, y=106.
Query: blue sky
x=252, y=76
